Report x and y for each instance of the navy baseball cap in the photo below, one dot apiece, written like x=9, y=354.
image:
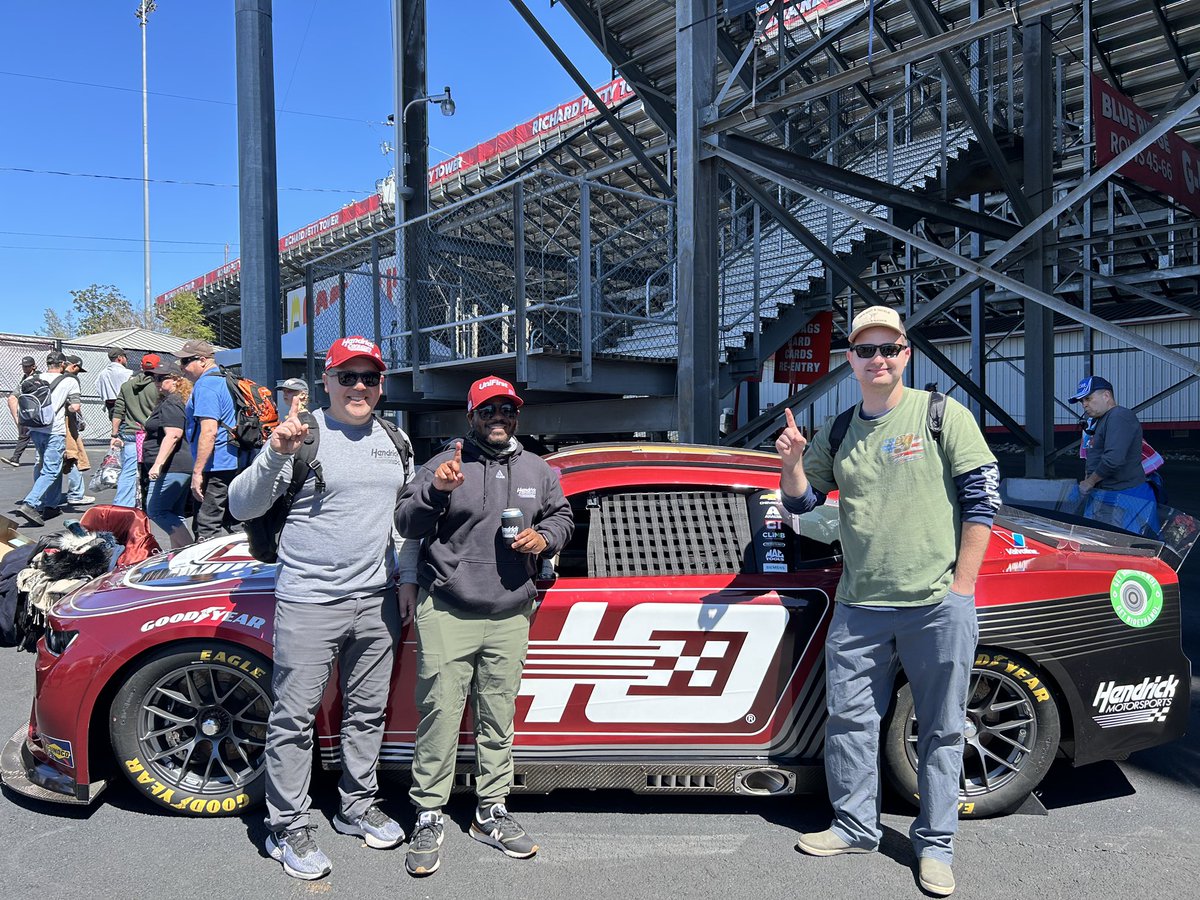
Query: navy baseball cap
x=1089, y=385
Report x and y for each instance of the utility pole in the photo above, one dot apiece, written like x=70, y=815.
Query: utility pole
x=143, y=13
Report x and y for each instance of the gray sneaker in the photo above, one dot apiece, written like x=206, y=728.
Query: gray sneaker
x=424, y=848
x=936, y=877
x=375, y=827
x=299, y=853
x=493, y=825
x=826, y=843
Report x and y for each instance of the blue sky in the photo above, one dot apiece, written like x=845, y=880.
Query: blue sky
x=70, y=100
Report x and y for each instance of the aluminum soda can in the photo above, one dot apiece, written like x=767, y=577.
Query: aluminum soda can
x=512, y=523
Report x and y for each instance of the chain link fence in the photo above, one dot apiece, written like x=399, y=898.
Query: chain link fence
x=13, y=347
x=546, y=263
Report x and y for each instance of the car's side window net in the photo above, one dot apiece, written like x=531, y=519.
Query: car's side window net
x=667, y=533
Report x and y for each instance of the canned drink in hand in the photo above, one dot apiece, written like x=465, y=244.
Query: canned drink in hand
x=512, y=523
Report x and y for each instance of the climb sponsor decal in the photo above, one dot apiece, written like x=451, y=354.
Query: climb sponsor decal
x=1145, y=702
x=1137, y=597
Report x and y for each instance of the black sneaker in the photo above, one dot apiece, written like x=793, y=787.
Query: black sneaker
x=493, y=825
x=31, y=515
x=12, y=462
x=424, y=847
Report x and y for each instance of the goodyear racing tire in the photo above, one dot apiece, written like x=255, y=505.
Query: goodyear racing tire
x=189, y=727
x=1011, y=737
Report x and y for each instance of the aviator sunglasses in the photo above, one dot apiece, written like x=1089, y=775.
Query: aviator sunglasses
x=488, y=410
x=350, y=379
x=868, y=351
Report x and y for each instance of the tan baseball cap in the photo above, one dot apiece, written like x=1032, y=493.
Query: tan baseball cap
x=876, y=317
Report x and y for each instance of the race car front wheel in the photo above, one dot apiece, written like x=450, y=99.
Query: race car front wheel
x=1010, y=736
x=189, y=727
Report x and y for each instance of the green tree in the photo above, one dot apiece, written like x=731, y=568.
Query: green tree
x=62, y=327
x=183, y=317
x=102, y=307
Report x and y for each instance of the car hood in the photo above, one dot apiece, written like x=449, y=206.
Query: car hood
x=219, y=567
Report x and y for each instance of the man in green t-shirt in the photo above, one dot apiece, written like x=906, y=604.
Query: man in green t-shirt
x=907, y=594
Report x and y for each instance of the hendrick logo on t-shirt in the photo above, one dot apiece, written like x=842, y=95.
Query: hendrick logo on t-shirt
x=389, y=454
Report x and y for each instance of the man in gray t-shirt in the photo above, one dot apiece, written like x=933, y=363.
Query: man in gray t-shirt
x=340, y=559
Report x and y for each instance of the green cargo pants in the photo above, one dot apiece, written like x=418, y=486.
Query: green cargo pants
x=459, y=653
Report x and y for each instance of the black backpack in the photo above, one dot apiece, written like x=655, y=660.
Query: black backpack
x=34, y=403
x=837, y=431
x=262, y=533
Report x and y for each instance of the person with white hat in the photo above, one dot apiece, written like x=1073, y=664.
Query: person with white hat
x=917, y=495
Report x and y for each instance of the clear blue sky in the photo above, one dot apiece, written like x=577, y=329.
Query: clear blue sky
x=70, y=101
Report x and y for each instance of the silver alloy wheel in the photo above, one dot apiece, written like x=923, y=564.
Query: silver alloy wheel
x=999, y=734
x=204, y=728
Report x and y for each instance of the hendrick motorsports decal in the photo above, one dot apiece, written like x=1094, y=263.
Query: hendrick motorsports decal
x=1136, y=597
x=59, y=750
x=1143, y=703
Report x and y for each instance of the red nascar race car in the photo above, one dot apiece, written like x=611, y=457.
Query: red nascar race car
x=677, y=647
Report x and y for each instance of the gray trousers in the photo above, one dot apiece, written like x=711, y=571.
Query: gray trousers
x=936, y=646
x=360, y=634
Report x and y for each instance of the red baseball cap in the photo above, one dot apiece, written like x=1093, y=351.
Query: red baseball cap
x=356, y=347
x=149, y=361
x=487, y=388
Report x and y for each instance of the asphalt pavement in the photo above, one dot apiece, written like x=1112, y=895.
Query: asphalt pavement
x=1122, y=830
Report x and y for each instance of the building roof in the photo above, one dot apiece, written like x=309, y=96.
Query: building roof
x=133, y=339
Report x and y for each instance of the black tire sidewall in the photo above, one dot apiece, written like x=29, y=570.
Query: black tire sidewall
x=123, y=724
x=903, y=777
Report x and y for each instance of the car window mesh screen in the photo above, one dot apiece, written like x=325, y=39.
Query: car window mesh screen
x=668, y=533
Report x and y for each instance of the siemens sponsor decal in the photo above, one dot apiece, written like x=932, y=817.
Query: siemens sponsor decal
x=1145, y=702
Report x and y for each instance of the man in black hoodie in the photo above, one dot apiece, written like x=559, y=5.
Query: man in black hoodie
x=472, y=611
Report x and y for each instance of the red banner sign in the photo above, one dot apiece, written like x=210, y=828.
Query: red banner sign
x=805, y=357
x=565, y=114
x=1170, y=165
x=344, y=216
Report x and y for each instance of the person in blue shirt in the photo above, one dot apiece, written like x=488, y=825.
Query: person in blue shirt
x=210, y=414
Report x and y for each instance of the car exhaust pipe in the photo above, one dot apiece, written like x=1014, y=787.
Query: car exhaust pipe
x=763, y=781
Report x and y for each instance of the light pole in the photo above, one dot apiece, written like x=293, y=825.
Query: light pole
x=143, y=13
x=446, y=103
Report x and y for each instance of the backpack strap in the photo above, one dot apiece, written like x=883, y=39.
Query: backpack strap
x=837, y=431
x=305, y=461
x=937, y=411
x=399, y=439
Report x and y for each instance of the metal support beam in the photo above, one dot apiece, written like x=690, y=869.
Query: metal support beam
x=634, y=145
x=823, y=175
x=412, y=165
x=656, y=104
x=696, y=235
x=932, y=25
x=1177, y=53
x=521, y=337
x=887, y=63
x=843, y=276
x=1039, y=184
x=258, y=194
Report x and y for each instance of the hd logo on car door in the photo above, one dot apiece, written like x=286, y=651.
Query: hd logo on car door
x=665, y=663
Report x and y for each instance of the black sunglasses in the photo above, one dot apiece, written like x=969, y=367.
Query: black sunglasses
x=185, y=360
x=868, y=351
x=350, y=379
x=489, y=410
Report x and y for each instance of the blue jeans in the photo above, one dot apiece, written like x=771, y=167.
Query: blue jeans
x=167, y=500
x=47, y=487
x=128, y=479
x=936, y=646
x=75, y=488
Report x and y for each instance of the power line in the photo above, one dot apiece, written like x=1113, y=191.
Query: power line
x=163, y=180
x=97, y=237
x=106, y=250
x=114, y=87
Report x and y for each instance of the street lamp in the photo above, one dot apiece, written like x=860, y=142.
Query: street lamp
x=446, y=103
x=145, y=7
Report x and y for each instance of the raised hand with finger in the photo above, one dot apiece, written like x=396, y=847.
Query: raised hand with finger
x=290, y=434
x=449, y=475
x=791, y=443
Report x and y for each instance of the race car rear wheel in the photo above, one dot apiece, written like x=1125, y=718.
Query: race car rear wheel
x=189, y=727
x=1009, y=741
